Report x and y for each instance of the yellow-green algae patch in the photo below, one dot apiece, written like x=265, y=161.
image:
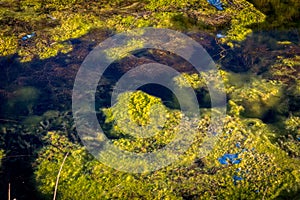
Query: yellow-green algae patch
x=73, y=19
x=267, y=171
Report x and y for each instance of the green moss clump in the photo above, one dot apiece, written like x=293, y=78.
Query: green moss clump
x=249, y=96
x=90, y=178
x=264, y=167
x=58, y=21
x=259, y=97
x=165, y=4
x=245, y=17
x=117, y=53
x=292, y=124
x=286, y=69
x=2, y=155
x=198, y=81
x=48, y=41
x=8, y=45
x=74, y=25
x=141, y=115
x=266, y=170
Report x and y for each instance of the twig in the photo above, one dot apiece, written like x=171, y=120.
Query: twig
x=57, y=179
x=8, y=191
x=9, y=120
x=265, y=193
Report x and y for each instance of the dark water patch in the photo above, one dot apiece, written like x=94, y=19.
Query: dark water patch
x=282, y=15
x=166, y=95
x=209, y=43
x=260, y=51
x=52, y=77
x=22, y=142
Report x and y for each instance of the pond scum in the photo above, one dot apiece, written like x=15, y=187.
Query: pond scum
x=258, y=151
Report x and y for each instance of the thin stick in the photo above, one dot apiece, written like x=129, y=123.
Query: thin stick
x=265, y=193
x=57, y=179
x=9, y=120
x=8, y=191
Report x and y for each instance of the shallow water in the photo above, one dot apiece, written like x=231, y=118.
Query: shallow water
x=28, y=90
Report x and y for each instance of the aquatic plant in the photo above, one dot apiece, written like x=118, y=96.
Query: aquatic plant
x=23, y=100
x=292, y=124
x=286, y=69
x=118, y=53
x=8, y=45
x=56, y=22
x=290, y=144
x=259, y=97
x=245, y=17
x=2, y=155
x=263, y=169
x=198, y=81
x=249, y=96
x=140, y=113
x=281, y=14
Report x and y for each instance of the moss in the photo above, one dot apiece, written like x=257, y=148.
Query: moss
x=165, y=4
x=281, y=14
x=259, y=97
x=51, y=42
x=48, y=41
x=290, y=144
x=264, y=166
x=117, y=53
x=245, y=17
x=292, y=124
x=141, y=115
x=73, y=19
x=73, y=25
x=198, y=81
x=286, y=69
x=249, y=95
x=90, y=178
x=8, y=45
x=267, y=171
x=2, y=155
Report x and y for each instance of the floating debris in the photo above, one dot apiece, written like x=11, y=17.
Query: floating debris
x=237, y=161
x=219, y=36
x=238, y=145
x=216, y=3
x=223, y=161
x=298, y=137
x=51, y=17
x=26, y=37
x=238, y=169
x=232, y=158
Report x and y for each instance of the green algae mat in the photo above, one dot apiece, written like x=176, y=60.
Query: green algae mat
x=256, y=49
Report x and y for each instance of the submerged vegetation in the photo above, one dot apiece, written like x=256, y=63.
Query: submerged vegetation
x=257, y=152
x=265, y=169
x=55, y=23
